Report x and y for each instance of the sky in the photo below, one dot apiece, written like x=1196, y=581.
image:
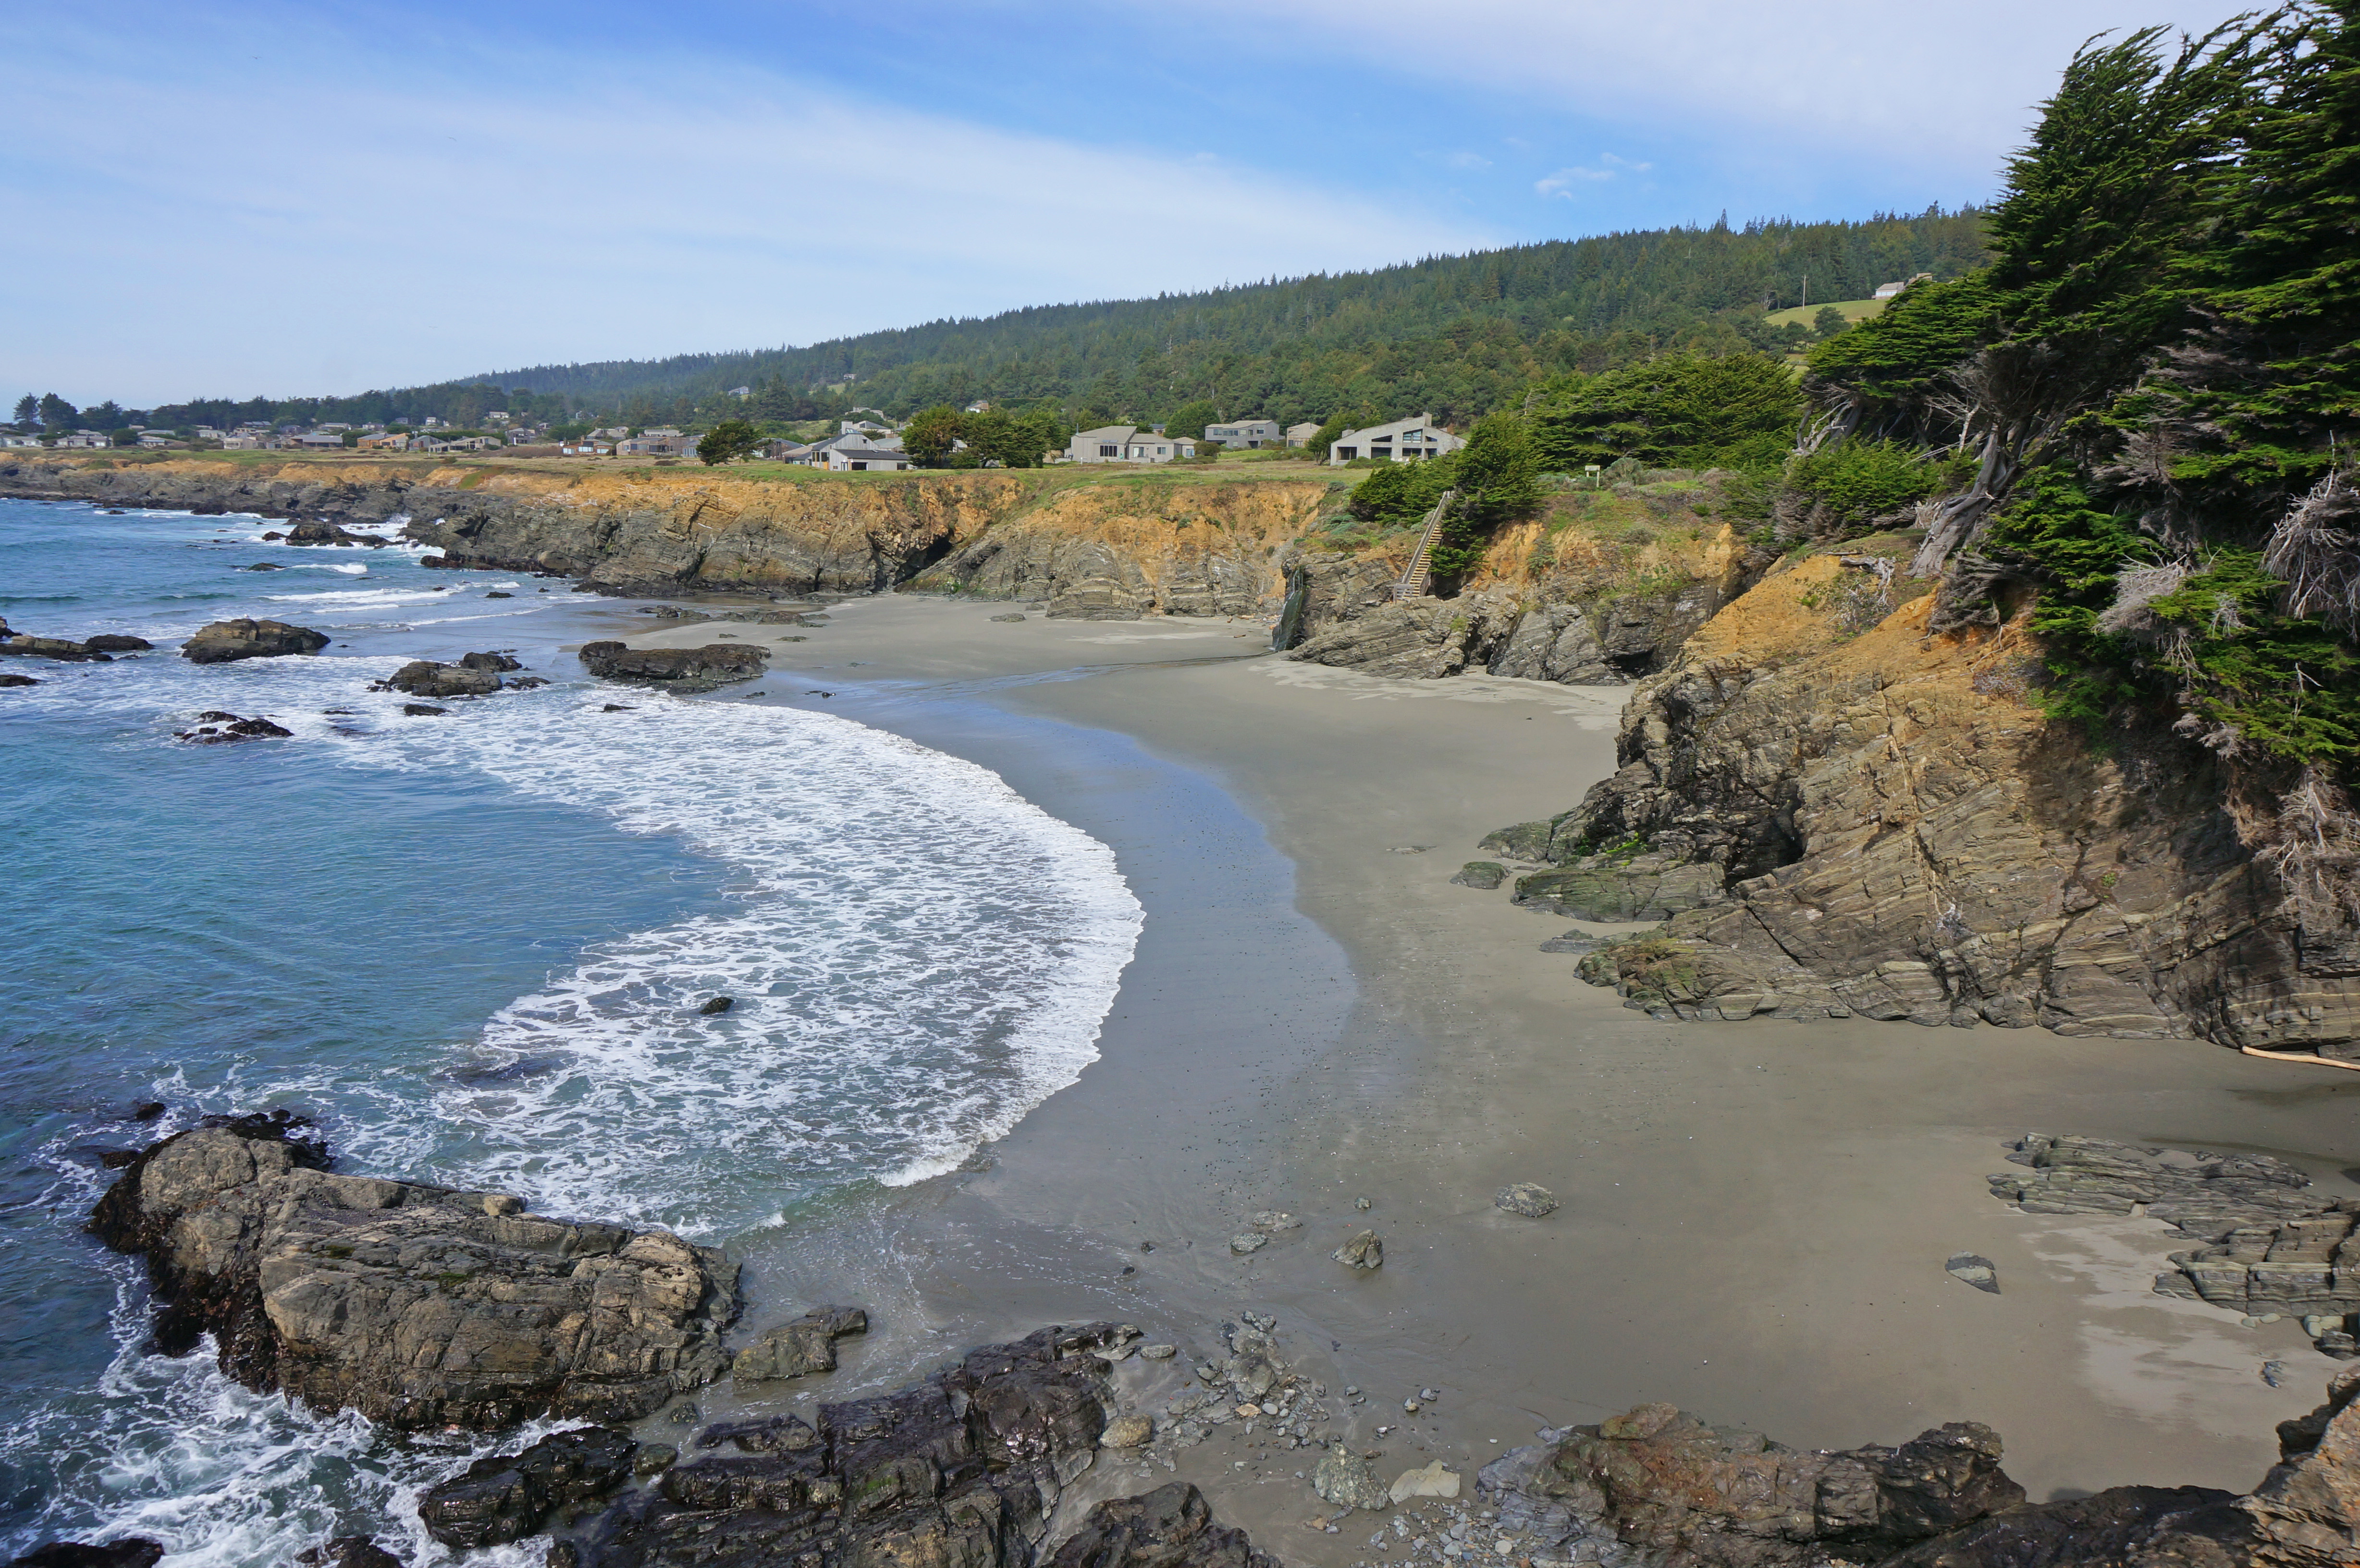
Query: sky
x=206, y=200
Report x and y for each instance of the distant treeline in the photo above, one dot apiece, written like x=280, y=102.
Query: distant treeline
x=1454, y=336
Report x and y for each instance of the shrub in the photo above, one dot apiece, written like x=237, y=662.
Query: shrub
x=1856, y=480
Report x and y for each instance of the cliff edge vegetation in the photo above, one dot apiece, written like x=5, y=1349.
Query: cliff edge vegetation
x=2098, y=773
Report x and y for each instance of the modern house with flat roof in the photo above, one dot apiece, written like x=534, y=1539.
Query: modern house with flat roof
x=1401, y=442
x=1128, y=443
x=1248, y=434
x=1300, y=435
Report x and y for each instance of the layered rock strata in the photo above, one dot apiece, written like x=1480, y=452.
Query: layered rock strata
x=416, y=1305
x=1882, y=823
x=2272, y=1246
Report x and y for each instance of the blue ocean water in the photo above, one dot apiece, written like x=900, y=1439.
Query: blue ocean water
x=473, y=946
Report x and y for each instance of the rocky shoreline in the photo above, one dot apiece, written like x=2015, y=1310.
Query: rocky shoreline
x=424, y=1307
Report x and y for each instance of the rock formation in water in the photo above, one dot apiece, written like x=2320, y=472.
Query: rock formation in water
x=419, y=1306
x=682, y=669
x=222, y=642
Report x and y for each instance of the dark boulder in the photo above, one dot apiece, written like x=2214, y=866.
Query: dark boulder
x=686, y=668
x=496, y=662
x=508, y=1497
x=715, y=1006
x=423, y=711
x=331, y=533
x=348, y=1551
x=224, y=641
x=132, y=1551
x=25, y=646
x=1171, y=1526
x=116, y=642
x=958, y=1471
x=2123, y=1527
x=215, y=728
x=428, y=678
x=8, y=677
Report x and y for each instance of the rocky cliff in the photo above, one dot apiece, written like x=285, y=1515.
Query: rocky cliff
x=1601, y=589
x=1837, y=808
x=1094, y=545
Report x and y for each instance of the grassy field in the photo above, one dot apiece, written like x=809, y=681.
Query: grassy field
x=1853, y=310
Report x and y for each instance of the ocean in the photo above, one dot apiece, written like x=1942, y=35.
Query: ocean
x=474, y=947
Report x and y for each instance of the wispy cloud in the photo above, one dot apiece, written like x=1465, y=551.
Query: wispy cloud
x=348, y=216
x=1566, y=180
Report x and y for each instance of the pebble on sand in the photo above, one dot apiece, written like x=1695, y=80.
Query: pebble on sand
x=1363, y=1251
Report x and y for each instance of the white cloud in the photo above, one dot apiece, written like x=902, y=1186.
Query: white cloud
x=1929, y=90
x=1564, y=181
x=324, y=220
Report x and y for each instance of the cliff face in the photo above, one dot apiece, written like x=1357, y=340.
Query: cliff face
x=1115, y=548
x=1882, y=823
x=1600, y=590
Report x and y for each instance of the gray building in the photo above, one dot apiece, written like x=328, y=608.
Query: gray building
x=1248, y=434
x=1403, y=440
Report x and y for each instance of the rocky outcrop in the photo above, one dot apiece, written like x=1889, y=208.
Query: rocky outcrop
x=23, y=645
x=214, y=727
x=416, y=1305
x=2306, y=1512
x=800, y=1349
x=1657, y=1486
x=1172, y=1527
x=428, y=678
x=323, y=532
x=2123, y=1527
x=959, y=1472
x=509, y=1497
x=682, y=669
x=132, y=1551
x=1879, y=822
x=1607, y=635
x=224, y=641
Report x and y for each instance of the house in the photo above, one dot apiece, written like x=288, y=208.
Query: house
x=654, y=443
x=20, y=440
x=848, y=459
x=154, y=438
x=1248, y=434
x=82, y=438
x=1398, y=442
x=741, y=391
x=1302, y=434
x=319, y=439
x=587, y=448
x=1887, y=290
x=379, y=442
x=248, y=443
x=612, y=432
x=862, y=428
x=980, y=405
x=1126, y=443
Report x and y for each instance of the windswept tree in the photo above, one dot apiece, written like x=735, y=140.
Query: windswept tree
x=728, y=441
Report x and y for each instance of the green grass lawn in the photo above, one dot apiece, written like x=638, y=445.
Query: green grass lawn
x=1853, y=310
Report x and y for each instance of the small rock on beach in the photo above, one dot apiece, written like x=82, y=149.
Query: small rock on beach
x=1482, y=875
x=1363, y=1251
x=1973, y=1269
x=1526, y=1198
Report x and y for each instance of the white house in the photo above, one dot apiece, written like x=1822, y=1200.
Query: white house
x=1300, y=435
x=1250, y=433
x=1396, y=442
x=666, y=442
x=866, y=459
x=1888, y=291
x=1126, y=443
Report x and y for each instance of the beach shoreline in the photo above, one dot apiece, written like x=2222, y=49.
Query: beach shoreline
x=1755, y=1216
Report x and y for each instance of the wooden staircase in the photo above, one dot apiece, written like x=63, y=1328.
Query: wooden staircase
x=1420, y=571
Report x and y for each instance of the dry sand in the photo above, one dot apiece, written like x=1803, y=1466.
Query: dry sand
x=1755, y=1216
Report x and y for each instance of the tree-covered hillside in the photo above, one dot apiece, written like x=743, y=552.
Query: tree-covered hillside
x=1454, y=335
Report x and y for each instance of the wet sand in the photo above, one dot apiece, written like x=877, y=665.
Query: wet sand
x=1754, y=1215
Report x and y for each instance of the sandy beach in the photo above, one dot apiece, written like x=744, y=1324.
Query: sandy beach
x=1755, y=1216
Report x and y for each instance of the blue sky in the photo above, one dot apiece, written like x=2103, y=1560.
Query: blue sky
x=249, y=200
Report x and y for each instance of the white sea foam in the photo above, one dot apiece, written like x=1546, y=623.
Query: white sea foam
x=918, y=957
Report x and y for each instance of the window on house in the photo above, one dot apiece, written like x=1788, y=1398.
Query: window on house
x=1109, y=452
x=1347, y=453
x=860, y=468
